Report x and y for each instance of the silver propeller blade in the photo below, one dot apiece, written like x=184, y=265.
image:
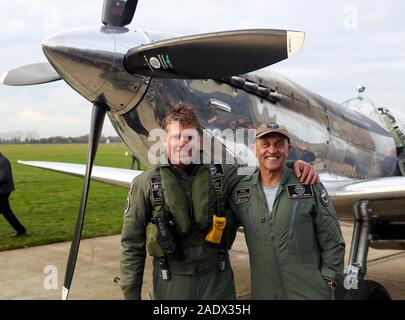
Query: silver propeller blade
x=31, y=74
x=118, y=13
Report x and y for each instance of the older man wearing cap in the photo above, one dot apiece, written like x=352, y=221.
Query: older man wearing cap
x=295, y=244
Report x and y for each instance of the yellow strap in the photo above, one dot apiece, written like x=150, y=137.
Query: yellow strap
x=218, y=226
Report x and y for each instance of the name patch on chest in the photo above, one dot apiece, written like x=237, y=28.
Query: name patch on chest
x=242, y=195
x=300, y=191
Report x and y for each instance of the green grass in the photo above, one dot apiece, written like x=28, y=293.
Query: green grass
x=47, y=203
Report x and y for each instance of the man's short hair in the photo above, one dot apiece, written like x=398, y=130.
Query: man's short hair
x=182, y=113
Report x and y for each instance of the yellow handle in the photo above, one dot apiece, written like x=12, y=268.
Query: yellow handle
x=215, y=234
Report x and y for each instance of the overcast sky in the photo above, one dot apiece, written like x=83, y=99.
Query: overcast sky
x=347, y=43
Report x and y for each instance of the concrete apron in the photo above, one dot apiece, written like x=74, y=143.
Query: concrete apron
x=38, y=272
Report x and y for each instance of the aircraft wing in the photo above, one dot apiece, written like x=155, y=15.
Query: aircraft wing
x=386, y=195
x=114, y=176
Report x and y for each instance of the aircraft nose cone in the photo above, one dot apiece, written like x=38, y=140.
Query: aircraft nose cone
x=82, y=57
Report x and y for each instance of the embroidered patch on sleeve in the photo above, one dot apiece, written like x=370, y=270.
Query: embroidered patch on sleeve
x=324, y=197
x=242, y=195
x=127, y=204
x=300, y=191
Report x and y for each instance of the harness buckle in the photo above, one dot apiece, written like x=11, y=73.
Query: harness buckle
x=222, y=261
x=164, y=271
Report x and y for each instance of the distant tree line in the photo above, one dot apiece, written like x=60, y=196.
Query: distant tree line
x=32, y=137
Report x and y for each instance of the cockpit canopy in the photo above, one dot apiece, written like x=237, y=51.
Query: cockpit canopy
x=366, y=107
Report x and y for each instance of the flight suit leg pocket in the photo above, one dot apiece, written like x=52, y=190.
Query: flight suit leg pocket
x=304, y=282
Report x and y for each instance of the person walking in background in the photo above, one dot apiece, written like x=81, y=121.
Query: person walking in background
x=6, y=187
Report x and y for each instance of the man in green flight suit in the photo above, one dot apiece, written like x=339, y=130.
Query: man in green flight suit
x=296, y=248
x=170, y=211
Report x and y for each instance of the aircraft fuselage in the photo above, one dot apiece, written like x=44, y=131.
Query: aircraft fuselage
x=335, y=139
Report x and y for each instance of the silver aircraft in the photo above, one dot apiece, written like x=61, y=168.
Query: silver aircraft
x=136, y=77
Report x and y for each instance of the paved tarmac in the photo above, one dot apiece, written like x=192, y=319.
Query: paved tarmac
x=38, y=272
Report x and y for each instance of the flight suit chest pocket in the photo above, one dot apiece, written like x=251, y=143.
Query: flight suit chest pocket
x=301, y=231
x=253, y=221
x=254, y=228
x=258, y=223
x=301, y=219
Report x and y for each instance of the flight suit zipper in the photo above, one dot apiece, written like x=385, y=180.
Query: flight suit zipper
x=185, y=181
x=250, y=216
x=292, y=220
x=277, y=258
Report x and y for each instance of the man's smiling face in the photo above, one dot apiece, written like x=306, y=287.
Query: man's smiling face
x=183, y=143
x=272, y=151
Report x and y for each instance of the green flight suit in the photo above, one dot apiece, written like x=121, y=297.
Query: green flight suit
x=196, y=276
x=293, y=249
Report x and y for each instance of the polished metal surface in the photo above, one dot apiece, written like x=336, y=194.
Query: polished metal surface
x=345, y=142
x=91, y=61
x=221, y=106
x=335, y=140
x=357, y=264
x=163, y=94
x=31, y=74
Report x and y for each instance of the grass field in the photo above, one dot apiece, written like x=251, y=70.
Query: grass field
x=47, y=202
